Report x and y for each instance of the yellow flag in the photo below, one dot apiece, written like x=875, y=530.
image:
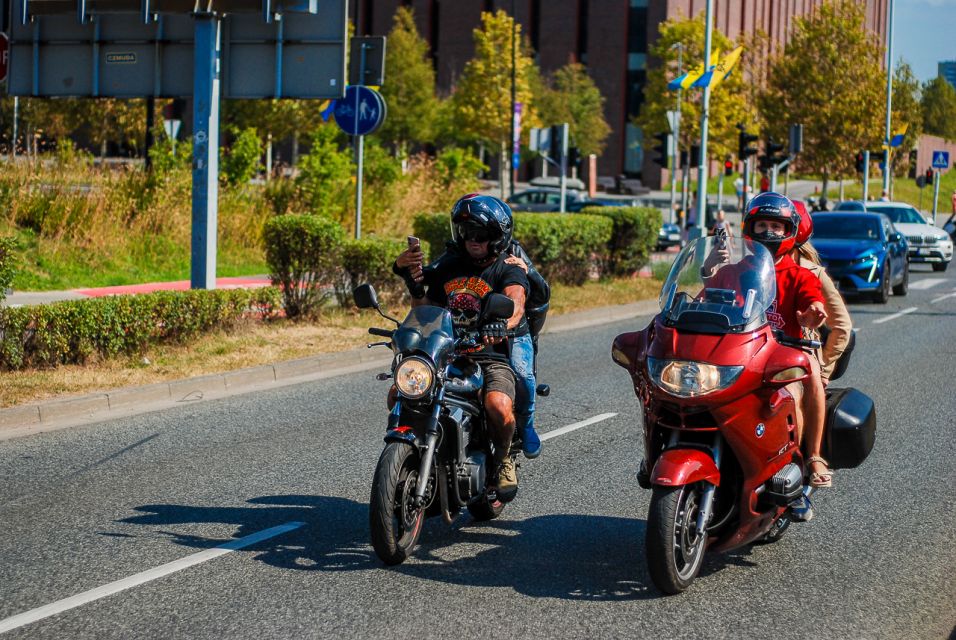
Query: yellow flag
x=699, y=70
x=725, y=66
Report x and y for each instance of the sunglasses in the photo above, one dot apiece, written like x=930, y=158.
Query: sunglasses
x=475, y=235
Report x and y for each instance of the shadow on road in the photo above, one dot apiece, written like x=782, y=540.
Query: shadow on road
x=566, y=556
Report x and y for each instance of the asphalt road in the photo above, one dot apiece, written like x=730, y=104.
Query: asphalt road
x=145, y=500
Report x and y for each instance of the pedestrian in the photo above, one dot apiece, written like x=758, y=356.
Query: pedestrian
x=739, y=188
x=764, y=183
x=722, y=224
x=884, y=196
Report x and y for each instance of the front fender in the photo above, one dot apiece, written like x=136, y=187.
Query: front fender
x=402, y=434
x=677, y=467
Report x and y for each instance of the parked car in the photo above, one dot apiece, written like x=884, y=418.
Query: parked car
x=863, y=253
x=927, y=242
x=669, y=236
x=546, y=199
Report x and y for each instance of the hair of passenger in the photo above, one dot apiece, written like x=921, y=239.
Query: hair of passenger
x=808, y=252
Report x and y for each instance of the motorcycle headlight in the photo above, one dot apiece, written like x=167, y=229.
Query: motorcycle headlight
x=688, y=379
x=414, y=378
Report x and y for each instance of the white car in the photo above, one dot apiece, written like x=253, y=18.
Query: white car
x=927, y=242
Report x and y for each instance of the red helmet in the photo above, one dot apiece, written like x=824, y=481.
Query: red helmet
x=775, y=207
x=805, y=228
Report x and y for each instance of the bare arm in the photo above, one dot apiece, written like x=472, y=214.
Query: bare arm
x=517, y=293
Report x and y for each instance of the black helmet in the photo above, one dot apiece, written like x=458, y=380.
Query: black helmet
x=483, y=218
x=776, y=207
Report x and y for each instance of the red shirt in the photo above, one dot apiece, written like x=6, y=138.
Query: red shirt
x=797, y=289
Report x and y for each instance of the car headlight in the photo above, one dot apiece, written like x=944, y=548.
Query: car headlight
x=865, y=259
x=688, y=379
x=414, y=378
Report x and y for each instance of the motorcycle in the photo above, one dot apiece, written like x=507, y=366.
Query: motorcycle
x=438, y=454
x=722, y=457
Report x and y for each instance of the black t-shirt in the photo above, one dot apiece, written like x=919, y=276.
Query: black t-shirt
x=456, y=283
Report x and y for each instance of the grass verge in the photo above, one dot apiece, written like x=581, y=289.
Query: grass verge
x=259, y=343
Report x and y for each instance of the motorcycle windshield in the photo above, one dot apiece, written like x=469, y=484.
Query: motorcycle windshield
x=719, y=286
x=426, y=329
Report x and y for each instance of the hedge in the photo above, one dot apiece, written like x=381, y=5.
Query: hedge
x=73, y=331
x=7, y=265
x=370, y=260
x=633, y=238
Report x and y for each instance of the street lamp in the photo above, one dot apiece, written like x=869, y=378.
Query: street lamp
x=514, y=28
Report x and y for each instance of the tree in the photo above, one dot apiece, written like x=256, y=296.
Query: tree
x=482, y=99
x=728, y=102
x=906, y=112
x=939, y=108
x=573, y=97
x=830, y=80
x=409, y=89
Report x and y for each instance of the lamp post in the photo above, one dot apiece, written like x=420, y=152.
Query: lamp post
x=514, y=28
x=704, y=114
x=889, y=97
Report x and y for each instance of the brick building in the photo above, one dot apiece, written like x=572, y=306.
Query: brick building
x=611, y=37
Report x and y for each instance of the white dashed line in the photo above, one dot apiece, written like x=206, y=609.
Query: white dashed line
x=896, y=315
x=926, y=283
x=60, y=606
x=577, y=425
x=948, y=295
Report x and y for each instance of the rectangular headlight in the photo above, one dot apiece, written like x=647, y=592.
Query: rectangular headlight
x=689, y=379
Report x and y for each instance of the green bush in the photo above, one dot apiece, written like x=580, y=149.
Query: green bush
x=455, y=164
x=370, y=260
x=564, y=248
x=71, y=332
x=434, y=230
x=325, y=175
x=633, y=238
x=303, y=253
x=280, y=193
x=8, y=265
x=240, y=162
x=379, y=167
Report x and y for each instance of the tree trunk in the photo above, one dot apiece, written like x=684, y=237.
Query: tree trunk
x=823, y=191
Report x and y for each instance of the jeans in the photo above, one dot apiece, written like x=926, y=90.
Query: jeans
x=522, y=360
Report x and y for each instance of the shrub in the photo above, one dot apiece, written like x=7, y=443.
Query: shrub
x=71, y=332
x=564, y=248
x=280, y=193
x=8, y=265
x=434, y=230
x=240, y=162
x=325, y=175
x=370, y=260
x=633, y=238
x=459, y=165
x=303, y=254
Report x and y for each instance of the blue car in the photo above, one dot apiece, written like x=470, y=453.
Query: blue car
x=863, y=253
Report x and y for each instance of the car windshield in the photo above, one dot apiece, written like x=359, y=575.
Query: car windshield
x=721, y=298
x=899, y=214
x=844, y=227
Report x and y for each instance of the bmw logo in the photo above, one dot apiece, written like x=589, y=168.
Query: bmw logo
x=760, y=430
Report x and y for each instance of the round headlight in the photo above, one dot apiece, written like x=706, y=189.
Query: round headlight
x=414, y=378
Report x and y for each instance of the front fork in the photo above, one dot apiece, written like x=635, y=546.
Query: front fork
x=431, y=441
x=706, y=511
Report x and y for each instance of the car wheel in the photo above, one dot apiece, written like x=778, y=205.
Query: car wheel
x=904, y=286
x=940, y=266
x=883, y=294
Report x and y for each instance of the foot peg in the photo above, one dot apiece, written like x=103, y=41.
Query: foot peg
x=543, y=390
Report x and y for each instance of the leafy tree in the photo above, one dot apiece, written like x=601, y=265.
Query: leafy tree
x=409, y=89
x=830, y=80
x=906, y=111
x=573, y=97
x=939, y=108
x=325, y=175
x=240, y=161
x=482, y=99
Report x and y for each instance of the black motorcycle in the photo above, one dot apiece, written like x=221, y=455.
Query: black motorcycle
x=438, y=455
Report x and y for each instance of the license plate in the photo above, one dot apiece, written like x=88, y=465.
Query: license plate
x=674, y=236
x=923, y=252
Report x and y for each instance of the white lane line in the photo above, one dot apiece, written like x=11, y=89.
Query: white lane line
x=60, y=606
x=896, y=315
x=948, y=295
x=577, y=425
x=926, y=283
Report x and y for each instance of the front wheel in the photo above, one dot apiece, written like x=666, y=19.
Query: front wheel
x=675, y=549
x=394, y=520
x=940, y=266
x=883, y=294
x=904, y=286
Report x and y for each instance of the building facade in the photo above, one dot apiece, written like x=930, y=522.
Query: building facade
x=947, y=70
x=610, y=37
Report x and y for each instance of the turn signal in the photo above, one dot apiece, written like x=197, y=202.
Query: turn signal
x=791, y=374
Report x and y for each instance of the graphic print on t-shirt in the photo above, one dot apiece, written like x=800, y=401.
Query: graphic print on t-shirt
x=464, y=300
x=774, y=318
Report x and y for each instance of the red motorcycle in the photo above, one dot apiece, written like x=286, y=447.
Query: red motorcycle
x=720, y=425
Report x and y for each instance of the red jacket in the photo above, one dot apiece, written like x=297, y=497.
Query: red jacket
x=797, y=289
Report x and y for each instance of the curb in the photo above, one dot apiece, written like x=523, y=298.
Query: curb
x=52, y=415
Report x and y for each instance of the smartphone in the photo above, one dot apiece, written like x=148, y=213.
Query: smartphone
x=413, y=241
x=721, y=237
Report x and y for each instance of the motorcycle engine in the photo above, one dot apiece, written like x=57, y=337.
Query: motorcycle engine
x=471, y=478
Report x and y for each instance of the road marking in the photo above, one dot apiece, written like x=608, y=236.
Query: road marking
x=60, y=606
x=577, y=425
x=926, y=283
x=948, y=295
x=896, y=315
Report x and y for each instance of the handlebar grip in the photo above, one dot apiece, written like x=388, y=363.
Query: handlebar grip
x=385, y=333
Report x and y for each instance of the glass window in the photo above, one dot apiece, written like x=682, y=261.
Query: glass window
x=633, y=153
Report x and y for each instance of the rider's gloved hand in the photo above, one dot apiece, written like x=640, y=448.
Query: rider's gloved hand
x=494, y=332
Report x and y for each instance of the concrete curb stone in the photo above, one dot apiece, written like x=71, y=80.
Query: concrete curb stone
x=59, y=413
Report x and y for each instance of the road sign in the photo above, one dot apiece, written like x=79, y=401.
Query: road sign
x=673, y=119
x=172, y=128
x=4, y=55
x=360, y=112
x=373, y=47
x=940, y=159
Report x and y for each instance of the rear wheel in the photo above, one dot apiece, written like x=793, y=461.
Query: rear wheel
x=904, y=286
x=883, y=294
x=940, y=266
x=675, y=549
x=394, y=520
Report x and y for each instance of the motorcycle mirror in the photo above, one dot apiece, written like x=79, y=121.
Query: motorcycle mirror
x=499, y=307
x=365, y=297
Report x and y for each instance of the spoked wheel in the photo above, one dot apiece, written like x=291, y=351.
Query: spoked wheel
x=394, y=519
x=675, y=549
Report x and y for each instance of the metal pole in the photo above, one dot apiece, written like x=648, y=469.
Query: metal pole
x=514, y=28
x=786, y=185
x=359, y=150
x=773, y=179
x=866, y=174
x=889, y=97
x=564, y=166
x=720, y=190
x=704, y=115
x=205, y=150
x=675, y=150
x=150, y=111
x=935, y=193
x=16, y=114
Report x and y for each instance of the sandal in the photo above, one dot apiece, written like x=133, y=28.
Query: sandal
x=820, y=479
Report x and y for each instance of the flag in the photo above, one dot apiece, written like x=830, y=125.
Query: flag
x=897, y=138
x=326, y=108
x=685, y=81
x=725, y=66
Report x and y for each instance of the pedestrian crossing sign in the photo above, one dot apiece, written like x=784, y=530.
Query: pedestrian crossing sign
x=940, y=159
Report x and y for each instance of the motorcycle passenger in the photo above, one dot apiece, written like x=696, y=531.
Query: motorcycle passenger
x=772, y=220
x=459, y=280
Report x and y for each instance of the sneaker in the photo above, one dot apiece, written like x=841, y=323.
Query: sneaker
x=507, y=484
x=531, y=443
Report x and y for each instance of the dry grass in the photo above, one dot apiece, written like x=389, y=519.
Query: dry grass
x=259, y=343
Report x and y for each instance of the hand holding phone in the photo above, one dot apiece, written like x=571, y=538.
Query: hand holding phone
x=413, y=242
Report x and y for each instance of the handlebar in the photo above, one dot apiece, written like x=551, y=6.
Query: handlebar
x=799, y=343
x=385, y=333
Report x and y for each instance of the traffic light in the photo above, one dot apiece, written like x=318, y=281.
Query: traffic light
x=663, y=148
x=728, y=167
x=859, y=162
x=774, y=150
x=694, y=153
x=175, y=109
x=574, y=156
x=929, y=177
x=744, y=150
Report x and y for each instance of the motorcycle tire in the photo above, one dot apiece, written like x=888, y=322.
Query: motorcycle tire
x=485, y=509
x=394, y=521
x=675, y=552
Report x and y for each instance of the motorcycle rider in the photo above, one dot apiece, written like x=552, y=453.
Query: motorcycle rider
x=772, y=220
x=459, y=280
